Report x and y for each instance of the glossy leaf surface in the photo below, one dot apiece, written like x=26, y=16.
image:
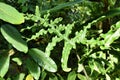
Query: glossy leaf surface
x=43, y=60
x=14, y=37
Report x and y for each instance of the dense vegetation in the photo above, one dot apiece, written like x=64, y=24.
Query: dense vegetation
x=59, y=39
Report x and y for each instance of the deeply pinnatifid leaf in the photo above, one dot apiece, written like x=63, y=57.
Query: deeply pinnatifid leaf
x=96, y=65
x=51, y=45
x=112, y=38
x=43, y=59
x=65, y=55
x=10, y=14
x=111, y=35
x=37, y=12
x=4, y=64
x=72, y=76
x=14, y=37
x=33, y=68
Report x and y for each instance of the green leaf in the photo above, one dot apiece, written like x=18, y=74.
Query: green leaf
x=10, y=14
x=53, y=77
x=80, y=67
x=4, y=64
x=1, y=78
x=107, y=77
x=19, y=77
x=60, y=77
x=13, y=36
x=71, y=76
x=33, y=68
x=43, y=75
x=17, y=60
x=43, y=59
x=112, y=37
x=63, y=5
x=81, y=77
x=65, y=55
x=29, y=77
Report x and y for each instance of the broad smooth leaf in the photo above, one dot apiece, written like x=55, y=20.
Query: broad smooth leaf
x=43, y=59
x=33, y=68
x=29, y=77
x=10, y=14
x=13, y=36
x=81, y=77
x=4, y=64
x=71, y=76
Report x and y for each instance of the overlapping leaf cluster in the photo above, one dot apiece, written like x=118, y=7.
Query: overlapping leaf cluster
x=49, y=43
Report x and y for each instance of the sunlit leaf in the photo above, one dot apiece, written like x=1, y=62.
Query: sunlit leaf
x=4, y=64
x=65, y=55
x=29, y=77
x=10, y=14
x=43, y=59
x=80, y=67
x=17, y=60
x=81, y=77
x=14, y=37
x=71, y=76
x=107, y=77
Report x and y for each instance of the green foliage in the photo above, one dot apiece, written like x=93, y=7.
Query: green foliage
x=4, y=65
x=63, y=40
x=13, y=36
x=13, y=17
x=43, y=60
x=33, y=68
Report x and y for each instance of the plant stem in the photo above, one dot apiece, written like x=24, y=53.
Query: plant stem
x=84, y=71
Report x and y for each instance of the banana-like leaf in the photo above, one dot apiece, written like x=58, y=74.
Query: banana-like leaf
x=4, y=64
x=13, y=36
x=63, y=5
x=43, y=59
x=10, y=14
